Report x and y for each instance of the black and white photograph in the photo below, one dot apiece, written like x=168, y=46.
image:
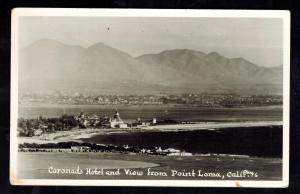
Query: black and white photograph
x=150, y=97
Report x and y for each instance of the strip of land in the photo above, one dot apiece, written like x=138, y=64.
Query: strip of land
x=77, y=134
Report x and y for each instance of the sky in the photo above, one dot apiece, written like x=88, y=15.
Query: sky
x=259, y=40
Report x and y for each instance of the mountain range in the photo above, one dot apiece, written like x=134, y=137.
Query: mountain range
x=48, y=65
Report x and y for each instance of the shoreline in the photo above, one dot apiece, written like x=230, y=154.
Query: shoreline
x=78, y=134
x=52, y=105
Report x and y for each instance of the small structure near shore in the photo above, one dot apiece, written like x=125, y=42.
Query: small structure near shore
x=180, y=154
x=80, y=148
x=117, y=122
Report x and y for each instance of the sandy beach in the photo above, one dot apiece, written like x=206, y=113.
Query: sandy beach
x=213, y=125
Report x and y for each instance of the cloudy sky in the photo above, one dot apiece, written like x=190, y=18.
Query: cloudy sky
x=257, y=40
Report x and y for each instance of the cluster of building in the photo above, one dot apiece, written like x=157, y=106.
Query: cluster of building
x=223, y=100
x=210, y=100
x=111, y=122
x=155, y=151
x=167, y=152
x=92, y=99
x=38, y=126
x=97, y=121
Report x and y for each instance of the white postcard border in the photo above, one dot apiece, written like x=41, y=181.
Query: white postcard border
x=19, y=12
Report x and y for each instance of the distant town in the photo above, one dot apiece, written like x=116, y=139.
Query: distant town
x=203, y=99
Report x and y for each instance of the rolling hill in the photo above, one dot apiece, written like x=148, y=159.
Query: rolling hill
x=48, y=65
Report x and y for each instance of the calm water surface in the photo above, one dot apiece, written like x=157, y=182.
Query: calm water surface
x=176, y=113
x=253, y=141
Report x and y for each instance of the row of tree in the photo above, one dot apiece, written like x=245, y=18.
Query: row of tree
x=31, y=127
x=68, y=145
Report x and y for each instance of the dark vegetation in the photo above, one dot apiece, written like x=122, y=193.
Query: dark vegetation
x=92, y=147
x=31, y=127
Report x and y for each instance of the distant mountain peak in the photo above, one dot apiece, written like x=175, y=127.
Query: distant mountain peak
x=238, y=59
x=213, y=54
x=75, y=67
x=99, y=45
x=102, y=47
